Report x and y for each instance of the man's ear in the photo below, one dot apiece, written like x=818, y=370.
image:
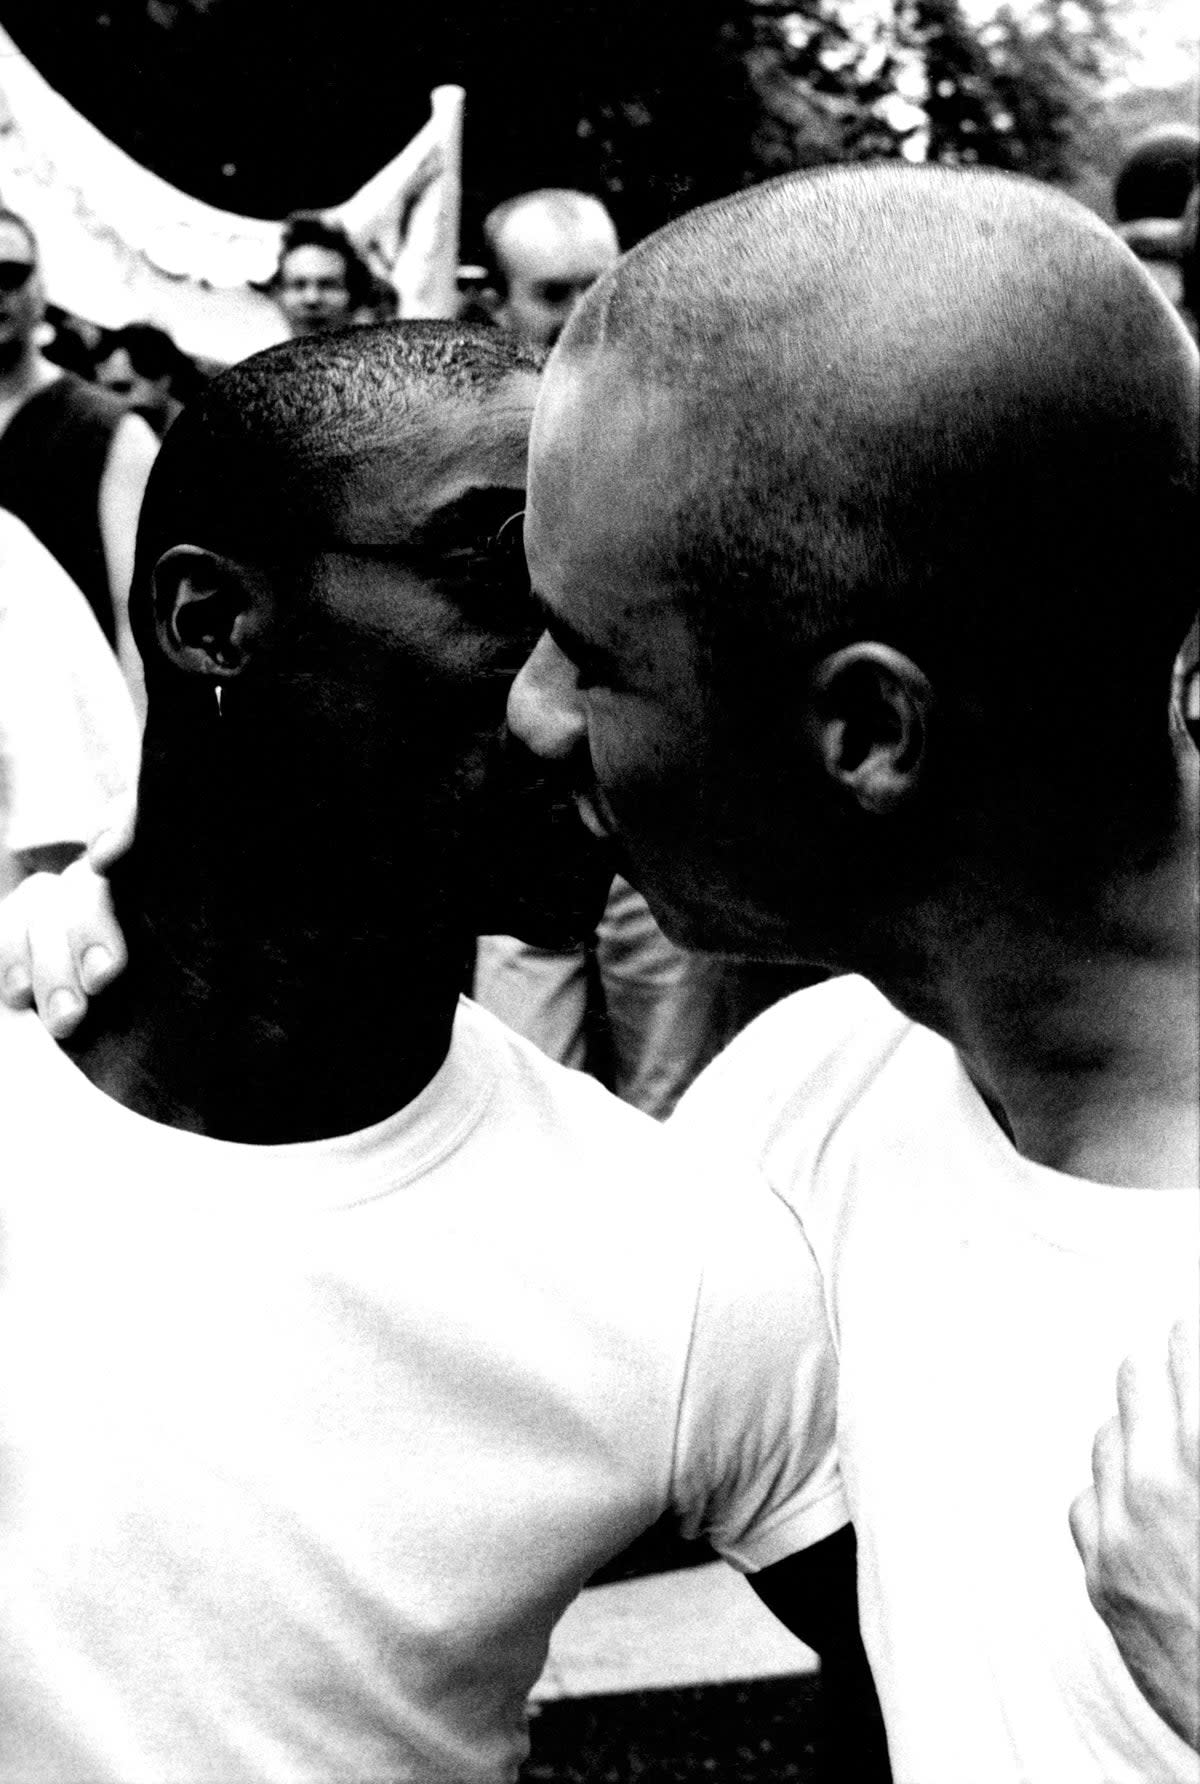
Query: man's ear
x=211, y=613
x=871, y=714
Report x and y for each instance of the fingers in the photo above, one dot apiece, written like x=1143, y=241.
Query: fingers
x=1158, y=1416
x=112, y=840
x=1085, y=1526
x=59, y=945
x=1108, y=1465
x=16, y=978
x=57, y=992
x=1183, y=1357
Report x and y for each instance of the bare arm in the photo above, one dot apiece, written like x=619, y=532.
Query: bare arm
x=130, y=456
x=1137, y=1529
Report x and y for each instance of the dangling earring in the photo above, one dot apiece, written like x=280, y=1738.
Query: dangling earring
x=218, y=694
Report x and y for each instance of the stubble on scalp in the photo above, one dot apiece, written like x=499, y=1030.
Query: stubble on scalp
x=910, y=403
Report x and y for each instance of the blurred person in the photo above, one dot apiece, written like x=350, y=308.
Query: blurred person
x=68, y=341
x=832, y=586
x=547, y=248
x=322, y=281
x=465, y=1351
x=68, y=733
x=1151, y=196
x=142, y=367
x=73, y=464
x=1158, y=174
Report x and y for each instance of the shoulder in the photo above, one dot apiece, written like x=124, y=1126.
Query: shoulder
x=598, y=1151
x=818, y=1045
x=778, y=1093
x=18, y=546
x=67, y=417
x=75, y=397
x=34, y=584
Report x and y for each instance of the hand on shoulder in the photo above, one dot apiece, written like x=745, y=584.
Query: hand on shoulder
x=59, y=939
x=1137, y=1529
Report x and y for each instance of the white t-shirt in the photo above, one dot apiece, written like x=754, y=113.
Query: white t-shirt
x=980, y=1306
x=305, y=1448
x=68, y=734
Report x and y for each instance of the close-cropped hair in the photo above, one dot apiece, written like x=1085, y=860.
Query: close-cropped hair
x=984, y=455
x=253, y=467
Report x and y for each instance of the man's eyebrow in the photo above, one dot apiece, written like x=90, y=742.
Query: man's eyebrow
x=476, y=517
x=582, y=651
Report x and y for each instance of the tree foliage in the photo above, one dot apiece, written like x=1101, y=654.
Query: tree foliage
x=270, y=105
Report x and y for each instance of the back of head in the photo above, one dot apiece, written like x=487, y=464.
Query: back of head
x=254, y=468
x=946, y=410
x=1158, y=174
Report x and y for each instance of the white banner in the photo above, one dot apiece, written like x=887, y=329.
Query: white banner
x=120, y=245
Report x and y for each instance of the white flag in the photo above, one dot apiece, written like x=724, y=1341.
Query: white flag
x=119, y=245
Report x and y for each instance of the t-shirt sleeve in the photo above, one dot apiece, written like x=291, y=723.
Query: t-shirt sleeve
x=755, y=1465
x=68, y=735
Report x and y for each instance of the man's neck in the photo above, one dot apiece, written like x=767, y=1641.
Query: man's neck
x=258, y=1006
x=1077, y=1019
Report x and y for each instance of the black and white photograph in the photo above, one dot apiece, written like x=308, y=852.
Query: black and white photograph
x=599, y=892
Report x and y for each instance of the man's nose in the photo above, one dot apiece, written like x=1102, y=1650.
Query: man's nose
x=544, y=707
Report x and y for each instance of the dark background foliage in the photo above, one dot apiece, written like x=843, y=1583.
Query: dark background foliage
x=265, y=106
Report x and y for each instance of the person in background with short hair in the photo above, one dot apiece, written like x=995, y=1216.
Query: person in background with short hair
x=1152, y=194
x=547, y=248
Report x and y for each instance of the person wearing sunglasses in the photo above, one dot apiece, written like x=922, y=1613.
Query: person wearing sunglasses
x=73, y=464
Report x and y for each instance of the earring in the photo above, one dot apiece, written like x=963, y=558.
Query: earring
x=218, y=694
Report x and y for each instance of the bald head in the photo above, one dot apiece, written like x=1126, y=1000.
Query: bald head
x=943, y=409
x=549, y=247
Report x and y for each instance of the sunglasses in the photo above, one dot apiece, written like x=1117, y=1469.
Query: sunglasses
x=15, y=274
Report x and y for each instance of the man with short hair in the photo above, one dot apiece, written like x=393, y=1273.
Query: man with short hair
x=73, y=464
x=347, y=1335
x=833, y=604
x=846, y=653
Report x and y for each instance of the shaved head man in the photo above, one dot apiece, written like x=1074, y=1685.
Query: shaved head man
x=549, y=246
x=839, y=499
